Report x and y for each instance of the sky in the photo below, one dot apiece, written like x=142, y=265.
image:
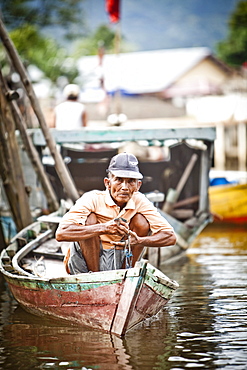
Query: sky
x=162, y=24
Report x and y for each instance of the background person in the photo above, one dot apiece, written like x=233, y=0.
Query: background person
x=70, y=114
x=100, y=222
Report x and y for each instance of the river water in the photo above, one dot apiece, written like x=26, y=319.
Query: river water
x=204, y=326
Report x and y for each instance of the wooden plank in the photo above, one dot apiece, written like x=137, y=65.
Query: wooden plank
x=127, y=301
x=182, y=214
x=186, y=201
x=119, y=134
x=204, y=182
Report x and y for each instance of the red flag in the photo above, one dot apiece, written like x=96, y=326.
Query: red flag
x=112, y=8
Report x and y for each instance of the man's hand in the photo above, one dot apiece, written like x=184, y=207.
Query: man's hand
x=118, y=226
x=134, y=240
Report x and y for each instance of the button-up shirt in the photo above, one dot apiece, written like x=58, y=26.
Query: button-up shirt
x=104, y=207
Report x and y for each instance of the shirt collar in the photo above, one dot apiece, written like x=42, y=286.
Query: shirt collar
x=110, y=202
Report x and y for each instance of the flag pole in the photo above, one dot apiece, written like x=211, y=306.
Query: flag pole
x=117, y=53
x=113, y=10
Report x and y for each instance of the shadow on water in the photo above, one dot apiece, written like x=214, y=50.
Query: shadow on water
x=203, y=326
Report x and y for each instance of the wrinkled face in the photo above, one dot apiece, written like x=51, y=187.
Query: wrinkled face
x=121, y=188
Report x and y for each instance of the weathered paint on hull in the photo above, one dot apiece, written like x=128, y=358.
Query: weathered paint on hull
x=94, y=307
x=114, y=306
x=148, y=304
x=113, y=301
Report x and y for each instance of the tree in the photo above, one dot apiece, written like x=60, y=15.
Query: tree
x=67, y=14
x=44, y=53
x=102, y=37
x=30, y=21
x=233, y=50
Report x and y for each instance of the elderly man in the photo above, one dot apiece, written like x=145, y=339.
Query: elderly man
x=103, y=225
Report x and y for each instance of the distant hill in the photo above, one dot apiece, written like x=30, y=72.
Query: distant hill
x=163, y=24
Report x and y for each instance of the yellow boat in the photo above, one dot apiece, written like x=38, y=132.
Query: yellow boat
x=228, y=203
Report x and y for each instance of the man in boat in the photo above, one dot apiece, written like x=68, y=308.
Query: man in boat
x=109, y=229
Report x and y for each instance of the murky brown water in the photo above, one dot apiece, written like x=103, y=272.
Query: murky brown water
x=203, y=326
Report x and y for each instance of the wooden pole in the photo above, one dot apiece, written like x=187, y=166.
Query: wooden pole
x=173, y=194
x=9, y=187
x=33, y=155
x=242, y=146
x=219, y=148
x=31, y=150
x=3, y=243
x=11, y=170
x=60, y=166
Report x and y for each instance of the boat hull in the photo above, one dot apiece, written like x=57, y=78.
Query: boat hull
x=113, y=301
x=229, y=202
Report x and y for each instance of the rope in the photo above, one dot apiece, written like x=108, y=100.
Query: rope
x=128, y=253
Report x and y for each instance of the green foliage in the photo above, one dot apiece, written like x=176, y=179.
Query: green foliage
x=43, y=52
x=28, y=21
x=102, y=37
x=234, y=49
x=67, y=14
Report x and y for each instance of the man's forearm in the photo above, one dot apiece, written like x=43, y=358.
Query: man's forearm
x=159, y=239
x=73, y=232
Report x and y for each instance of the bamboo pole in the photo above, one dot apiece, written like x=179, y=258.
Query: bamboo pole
x=31, y=150
x=60, y=166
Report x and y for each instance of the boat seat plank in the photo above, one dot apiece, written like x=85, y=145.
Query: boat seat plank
x=54, y=268
x=52, y=255
x=51, y=249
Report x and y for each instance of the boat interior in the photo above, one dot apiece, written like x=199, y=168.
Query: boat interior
x=35, y=252
x=88, y=169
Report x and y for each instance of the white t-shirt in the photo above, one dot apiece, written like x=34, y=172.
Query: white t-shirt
x=69, y=115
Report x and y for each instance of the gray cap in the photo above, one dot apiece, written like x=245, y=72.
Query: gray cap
x=125, y=165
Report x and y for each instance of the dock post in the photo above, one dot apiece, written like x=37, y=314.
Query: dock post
x=242, y=146
x=219, y=151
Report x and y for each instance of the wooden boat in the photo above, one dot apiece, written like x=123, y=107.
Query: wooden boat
x=229, y=202
x=114, y=301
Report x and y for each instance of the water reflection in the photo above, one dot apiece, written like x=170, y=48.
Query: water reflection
x=210, y=306
x=34, y=343
x=203, y=326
